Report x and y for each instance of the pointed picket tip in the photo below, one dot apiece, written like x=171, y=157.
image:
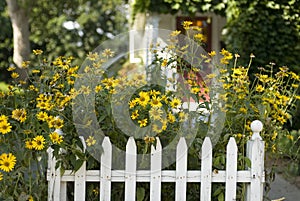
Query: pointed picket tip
x=106, y=142
x=158, y=147
x=182, y=143
x=207, y=145
x=131, y=146
x=232, y=143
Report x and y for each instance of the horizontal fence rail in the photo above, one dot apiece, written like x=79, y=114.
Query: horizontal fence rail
x=253, y=176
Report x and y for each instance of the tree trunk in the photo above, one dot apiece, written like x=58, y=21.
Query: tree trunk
x=20, y=23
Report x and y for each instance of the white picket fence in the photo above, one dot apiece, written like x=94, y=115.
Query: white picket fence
x=253, y=176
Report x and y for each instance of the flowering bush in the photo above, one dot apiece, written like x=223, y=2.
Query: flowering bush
x=51, y=109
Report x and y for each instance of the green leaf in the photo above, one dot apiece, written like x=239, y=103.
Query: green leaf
x=140, y=194
x=248, y=162
x=221, y=197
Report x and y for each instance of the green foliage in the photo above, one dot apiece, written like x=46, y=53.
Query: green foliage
x=268, y=29
x=97, y=20
x=6, y=41
x=175, y=6
x=289, y=147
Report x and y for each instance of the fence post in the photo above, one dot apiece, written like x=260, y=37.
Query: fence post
x=255, y=152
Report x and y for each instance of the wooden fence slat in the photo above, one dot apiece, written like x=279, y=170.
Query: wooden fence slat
x=130, y=170
x=80, y=178
x=206, y=170
x=105, y=169
x=63, y=191
x=155, y=180
x=79, y=185
x=231, y=170
x=181, y=170
x=256, y=155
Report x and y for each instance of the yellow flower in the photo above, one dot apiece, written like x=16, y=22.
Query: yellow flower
x=98, y=88
x=143, y=122
x=56, y=123
x=5, y=127
x=135, y=114
x=109, y=83
x=227, y=86
x=273, y=148
x=243, y=110
x=19, y=114
x=259, y=88
x=96, y=191
x=239, y=135
x=30, y=198
x=11, y=68
x=274, y=135
x=175, y=103
x=7, y=162
x=200, y=37
x=1, y=176
x=143, y=98
x=38, y=142
x=149, y=139
x=37, y=52
x=175, y=33
x=25, y=64
x=290, y=137
x=90, y=141
x=29, y=144
x=43, y=116
x=171, y=118
x=108, y=53
x=155, y=101
x=153, y=92
x=35, y=71
x=187, y=24
x=182, y=116
x=212, y=53
x=14, y=75
x=3, y=118
x=155, y=113
x=210, y=76
x=164, y=63
x=56, y=138
x=132, y=103
x=93, y=56
x=195, y=90
x=85, y=90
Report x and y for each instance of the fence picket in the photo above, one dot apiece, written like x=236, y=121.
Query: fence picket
x=130, y=170
x=206, y=169
x=80, y=178
x=253, y=176
x=79, y=185
x=231, y=170
x=155, y=183
x=181, y=170
x=105, y=169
